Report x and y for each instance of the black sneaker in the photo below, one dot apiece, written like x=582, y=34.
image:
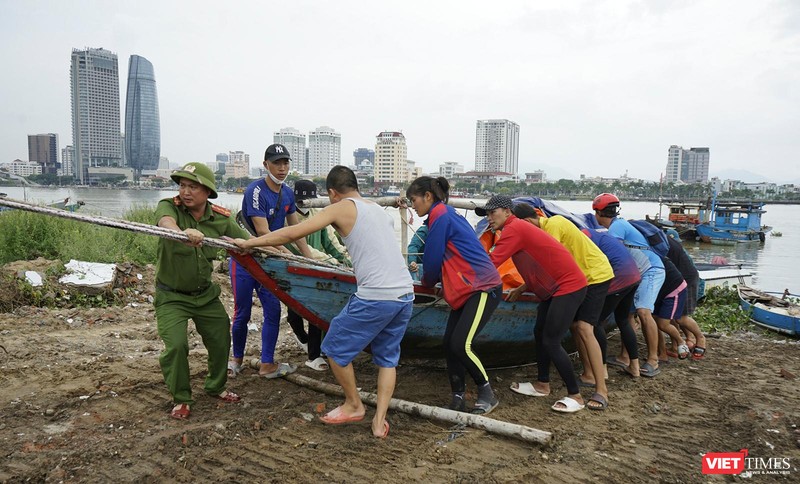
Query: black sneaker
x=457, y=403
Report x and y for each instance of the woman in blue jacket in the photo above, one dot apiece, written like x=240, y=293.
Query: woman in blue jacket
x=471, y=286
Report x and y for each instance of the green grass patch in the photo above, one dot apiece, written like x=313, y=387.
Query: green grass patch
x=27, y=235
x=719, y=312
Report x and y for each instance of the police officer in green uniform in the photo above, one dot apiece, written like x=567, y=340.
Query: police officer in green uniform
x=184, y=289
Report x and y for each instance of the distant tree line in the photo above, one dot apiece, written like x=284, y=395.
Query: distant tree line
x=583, y=189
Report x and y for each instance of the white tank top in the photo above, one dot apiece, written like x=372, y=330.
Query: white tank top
x=378, y=263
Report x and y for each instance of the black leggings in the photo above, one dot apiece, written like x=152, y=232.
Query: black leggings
x=620, y=304
x=553, y=319
x=313, y=337
x=463, y=325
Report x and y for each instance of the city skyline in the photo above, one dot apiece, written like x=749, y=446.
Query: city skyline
x=585, y=81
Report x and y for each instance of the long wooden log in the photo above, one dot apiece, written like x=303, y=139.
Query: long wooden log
x=521, y=432
x=149, y=230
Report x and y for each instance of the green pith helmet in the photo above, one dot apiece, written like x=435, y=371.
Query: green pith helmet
x=199, y=173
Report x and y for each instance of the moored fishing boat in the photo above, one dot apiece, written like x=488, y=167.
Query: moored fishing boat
x=684, y=217
x=732, y=222
x=721, y=276
x=772, y=310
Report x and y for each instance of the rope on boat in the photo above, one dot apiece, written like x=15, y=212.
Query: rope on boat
x=155, y=231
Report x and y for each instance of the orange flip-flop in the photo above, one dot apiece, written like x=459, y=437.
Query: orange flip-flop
x=338, y=417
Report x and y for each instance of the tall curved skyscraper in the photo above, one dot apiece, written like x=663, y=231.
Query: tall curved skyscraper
x=142, y=125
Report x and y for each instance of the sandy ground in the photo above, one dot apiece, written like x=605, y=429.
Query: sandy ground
x=83, y=400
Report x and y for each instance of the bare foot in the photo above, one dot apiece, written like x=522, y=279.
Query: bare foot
x=382, y=430
x=631, y=371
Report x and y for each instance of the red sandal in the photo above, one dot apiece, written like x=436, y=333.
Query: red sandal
x=229, y=397
x=180, y=412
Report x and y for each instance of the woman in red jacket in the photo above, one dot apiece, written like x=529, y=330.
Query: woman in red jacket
x=551, y=273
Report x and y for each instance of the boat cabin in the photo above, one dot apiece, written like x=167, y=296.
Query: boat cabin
x=687, y=213
x=739, y=216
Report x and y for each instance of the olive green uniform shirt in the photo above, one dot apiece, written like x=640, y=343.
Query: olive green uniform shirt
x=188, y=269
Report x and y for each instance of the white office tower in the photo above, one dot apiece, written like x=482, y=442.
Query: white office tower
x=688, y=166
x=324, y=150
x=94, y=82
x=497, y=146
x=295, y=142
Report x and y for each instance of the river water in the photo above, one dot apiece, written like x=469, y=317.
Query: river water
x=775, y=264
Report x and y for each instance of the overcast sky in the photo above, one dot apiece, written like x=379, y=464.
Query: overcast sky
x=597, y=87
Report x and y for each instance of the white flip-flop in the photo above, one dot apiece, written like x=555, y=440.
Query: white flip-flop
x=527, y=388
x=302, y=345
x=318, y=364
x=571, y=405
x=234, y=369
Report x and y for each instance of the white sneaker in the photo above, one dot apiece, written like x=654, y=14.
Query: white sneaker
x=300, y=343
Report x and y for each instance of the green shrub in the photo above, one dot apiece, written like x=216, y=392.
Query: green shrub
x=719, y=311
x=27, y=235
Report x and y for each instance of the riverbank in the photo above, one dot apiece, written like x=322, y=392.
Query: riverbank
x=84, y=400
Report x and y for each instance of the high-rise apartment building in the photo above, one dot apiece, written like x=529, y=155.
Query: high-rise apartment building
x=362, y=155
x=67, y=161
x=450, y=168
x=222, y=158
x=43, y=148
x=497, y=146
x=295, y=142
x=238, y=165
x=688, y=166
x=391, y=157
x=94, y=80
x=324, y=150
x=142, y=124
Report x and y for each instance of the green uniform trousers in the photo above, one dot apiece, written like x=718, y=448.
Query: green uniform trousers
x=173, y=311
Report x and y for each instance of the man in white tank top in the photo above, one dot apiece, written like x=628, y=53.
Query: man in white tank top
x=377, y=315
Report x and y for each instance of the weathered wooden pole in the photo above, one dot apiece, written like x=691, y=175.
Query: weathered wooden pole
x=404, y=230
x=521, y=432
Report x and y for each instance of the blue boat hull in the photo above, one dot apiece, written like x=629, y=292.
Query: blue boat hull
x=769, y=317
x=709, y=233
x=318, y=293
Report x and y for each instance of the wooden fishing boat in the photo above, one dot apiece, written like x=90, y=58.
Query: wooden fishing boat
x=733, y=222
x=721, y=276
x=772, y=310
x=318, y=292
x=67, y=205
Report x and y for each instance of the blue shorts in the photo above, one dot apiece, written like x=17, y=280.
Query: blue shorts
x=648, y=289
x=361, y=323
x=671, y=307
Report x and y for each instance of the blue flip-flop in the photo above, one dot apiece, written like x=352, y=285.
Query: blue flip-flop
x=280, y=372
x=600, y=399
x=648, y=370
